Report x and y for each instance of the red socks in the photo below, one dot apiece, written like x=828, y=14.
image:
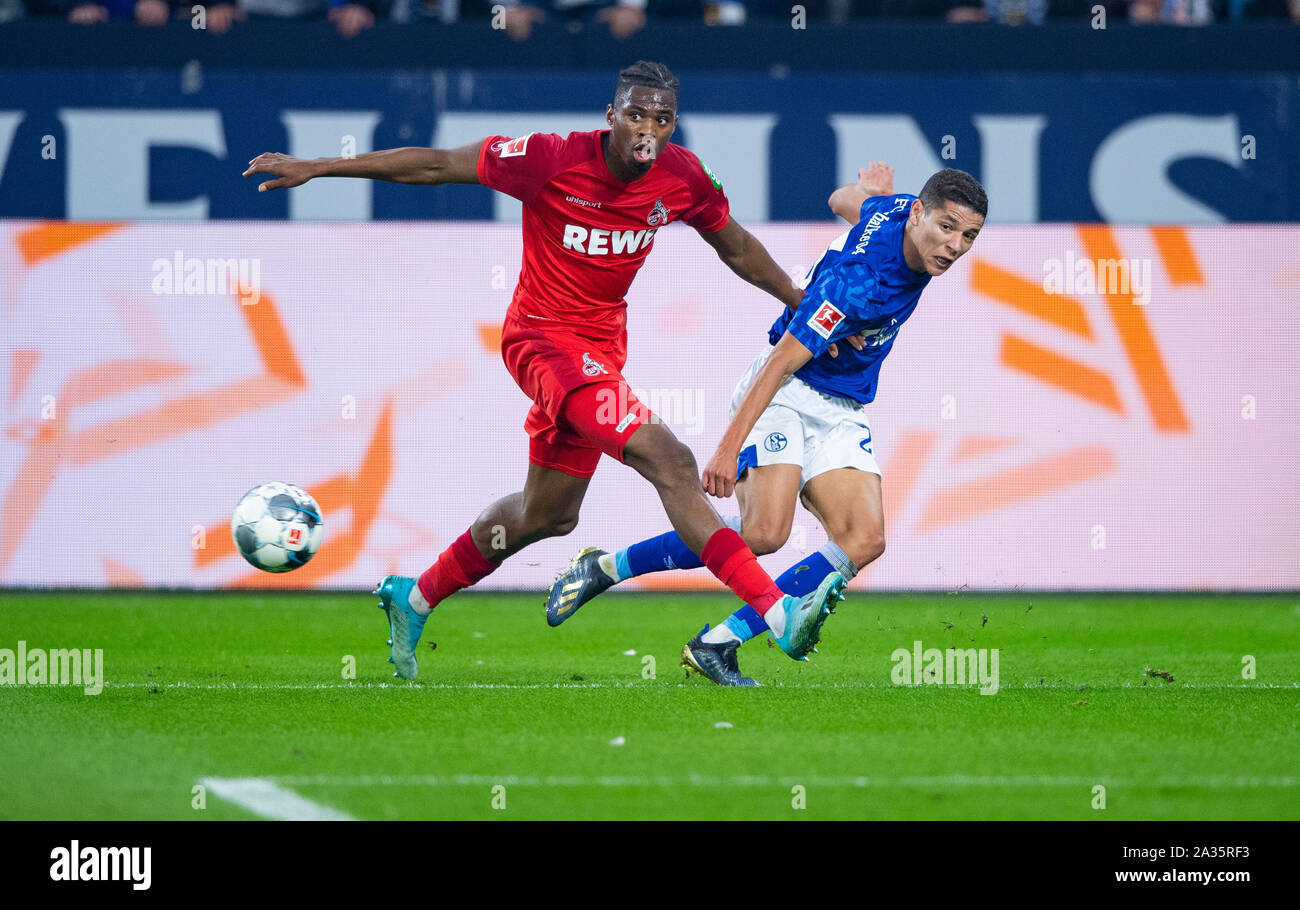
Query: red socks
x=735, y=565
x=726, y=555
x=459, y=566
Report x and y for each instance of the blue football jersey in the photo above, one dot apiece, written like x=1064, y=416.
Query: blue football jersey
x=861, y=285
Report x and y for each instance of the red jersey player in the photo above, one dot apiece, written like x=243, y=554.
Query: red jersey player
x=591, y=205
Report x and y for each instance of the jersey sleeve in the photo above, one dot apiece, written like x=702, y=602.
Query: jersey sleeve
x=830, y=308
x=890, y=204
x=519, y=167
x=871, y=205
x=709, y=209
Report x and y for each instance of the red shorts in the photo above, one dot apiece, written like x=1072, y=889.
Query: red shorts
x=582, y=405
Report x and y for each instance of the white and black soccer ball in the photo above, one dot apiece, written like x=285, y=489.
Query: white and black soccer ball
x=277, y=527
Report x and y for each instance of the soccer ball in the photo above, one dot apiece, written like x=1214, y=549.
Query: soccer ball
x=277, y=527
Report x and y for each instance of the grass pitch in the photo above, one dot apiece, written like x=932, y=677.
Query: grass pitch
x=574, y=725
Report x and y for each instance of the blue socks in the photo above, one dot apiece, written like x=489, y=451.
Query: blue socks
x=667, y=551
x=745, y=623
x=800, y=579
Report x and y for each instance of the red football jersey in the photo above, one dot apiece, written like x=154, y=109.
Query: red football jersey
x=585, y=232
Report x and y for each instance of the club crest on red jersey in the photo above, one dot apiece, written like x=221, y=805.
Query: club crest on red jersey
x=824, y=321
x=658, y=215
x=592, y=367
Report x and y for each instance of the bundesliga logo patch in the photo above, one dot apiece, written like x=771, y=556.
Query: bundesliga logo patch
x=511, y=148
x=825, y=319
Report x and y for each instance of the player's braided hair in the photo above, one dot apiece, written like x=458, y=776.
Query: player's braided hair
x=952, y=185
x=643, y=72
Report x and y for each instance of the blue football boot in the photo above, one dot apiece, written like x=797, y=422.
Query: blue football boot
x=717, y=662
x=804, y=616
x=576, y=585
x=404, y=625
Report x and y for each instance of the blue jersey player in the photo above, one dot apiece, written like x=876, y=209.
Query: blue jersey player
x=798, y=431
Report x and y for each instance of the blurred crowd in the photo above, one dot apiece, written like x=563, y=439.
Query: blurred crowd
x=626, y=17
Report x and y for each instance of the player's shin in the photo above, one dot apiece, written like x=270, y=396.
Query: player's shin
x=802, y=578
x=733, y=563
x=657, y=554
x=739, y=627
x=459, y=566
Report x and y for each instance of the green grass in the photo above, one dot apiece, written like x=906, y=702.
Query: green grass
x=252, y=686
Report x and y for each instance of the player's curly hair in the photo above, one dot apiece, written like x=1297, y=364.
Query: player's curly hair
x=644, y=72
x=952, y=185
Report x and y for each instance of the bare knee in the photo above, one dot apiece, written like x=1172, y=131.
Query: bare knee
x=562, y=527
x=864, y=546
x=674, y=467
x=765, y=538
x=539, y=527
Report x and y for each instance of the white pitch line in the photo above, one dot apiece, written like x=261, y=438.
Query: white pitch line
x=218, y=687
x=757, y=781
x=263, y=797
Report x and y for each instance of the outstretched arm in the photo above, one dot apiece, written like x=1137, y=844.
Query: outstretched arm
x=747, y=258
x=789, y=354
x=403, y=165
x=876, y=179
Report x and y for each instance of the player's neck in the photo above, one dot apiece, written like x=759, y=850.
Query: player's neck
x=911, y=255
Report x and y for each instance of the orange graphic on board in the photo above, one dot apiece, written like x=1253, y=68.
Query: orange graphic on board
x=1062, y=311
x=1042, y=476
x=357, y=493
x=53, y=445
x=1135, y=332
x=45, y=241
